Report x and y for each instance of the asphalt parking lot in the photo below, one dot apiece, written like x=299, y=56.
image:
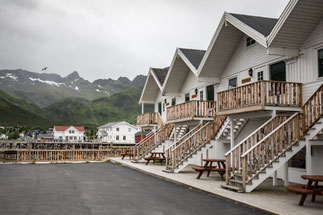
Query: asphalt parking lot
x=102, y=188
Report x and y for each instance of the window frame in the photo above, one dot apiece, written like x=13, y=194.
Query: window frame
x=250, y=42
x=260, y=77
x=187, y=97
x=320, y=73
x=232, y=78
x=173, y=101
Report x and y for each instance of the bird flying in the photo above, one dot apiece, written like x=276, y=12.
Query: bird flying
x=44, y=69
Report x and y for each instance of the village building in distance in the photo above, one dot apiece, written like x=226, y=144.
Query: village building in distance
x=117, y=133
x=69, y=133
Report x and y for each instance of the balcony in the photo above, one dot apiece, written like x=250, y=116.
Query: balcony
x=262, y=95
x=192, y=110
x=149, y=119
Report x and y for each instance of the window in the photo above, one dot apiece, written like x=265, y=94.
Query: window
x=187, y=97
x=74, y=138
x=320, y=60
x=250, y=41
x=278, y=71
x=160, y=108
x=71, y=138
x=71, y=131
x=201, y=95
x=260, y=76
x=124, y=138
x=164, y=105
x=117, y=137
x=173, y=101
x=298, y=160
x=129, y=129
x=232, y=83
x=117, y=129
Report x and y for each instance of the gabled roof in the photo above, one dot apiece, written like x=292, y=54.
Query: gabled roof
x=194, y=56
x=153, y=85
x=228, y=34
x=184, y=61
x=263, y=25
x=160, y=74
x=64, y=128
x=113, y=124
x=295, y=24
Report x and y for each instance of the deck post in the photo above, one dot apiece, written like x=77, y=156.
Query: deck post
x=308, y=158
x=142, y=108
x=275, y=179
x=286, y=174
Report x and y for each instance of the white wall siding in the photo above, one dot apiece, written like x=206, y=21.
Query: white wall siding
x=309, y=89
x=245, y=58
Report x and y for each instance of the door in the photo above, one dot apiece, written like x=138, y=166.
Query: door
x=278, y=71
x=210, y=93
x=160, y=108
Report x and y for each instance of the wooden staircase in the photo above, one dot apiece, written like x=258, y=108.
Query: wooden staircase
x=192, y=144
x=268, y=148
x=152, y=141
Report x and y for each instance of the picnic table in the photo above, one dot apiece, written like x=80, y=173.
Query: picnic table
x=156, y=156
x=127, y=153
x=208, y=167
x=309, y=188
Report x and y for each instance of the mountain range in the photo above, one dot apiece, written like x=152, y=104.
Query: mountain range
x=45, y=89
x=49, y=99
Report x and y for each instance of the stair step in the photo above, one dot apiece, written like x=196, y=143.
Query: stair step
x=236, y=181
x=229, y=187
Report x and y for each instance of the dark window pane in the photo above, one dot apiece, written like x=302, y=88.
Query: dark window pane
x=232, y=83
x=320, y=56
x=173, y=101
x=187, y=97
x=278, y=71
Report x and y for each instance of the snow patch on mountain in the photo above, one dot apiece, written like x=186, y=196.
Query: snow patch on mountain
x=11, y=76
x=52, y=83
x=97, y=90
x=76, y=88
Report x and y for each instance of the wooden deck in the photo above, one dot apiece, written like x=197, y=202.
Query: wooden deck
x=262, y=95
x=191, y=110
x=149, y=119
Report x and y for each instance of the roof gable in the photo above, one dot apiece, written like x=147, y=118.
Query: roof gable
x=228, y=35
x=184, y=61
x=64, y=128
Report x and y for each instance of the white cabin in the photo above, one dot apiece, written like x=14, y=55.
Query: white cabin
x=117, y=133
x=69, y=133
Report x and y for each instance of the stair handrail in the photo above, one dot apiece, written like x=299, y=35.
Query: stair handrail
x=308, y=120
x=145, y=138
x=253, y=133
x=184, y=136
x=247, y=176
x=233, y=157
x=154, y=138
x=174, y=160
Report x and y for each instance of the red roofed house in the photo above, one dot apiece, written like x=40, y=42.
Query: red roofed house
x=69, y=133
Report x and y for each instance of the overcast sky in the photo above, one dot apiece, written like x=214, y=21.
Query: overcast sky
x=111, y=38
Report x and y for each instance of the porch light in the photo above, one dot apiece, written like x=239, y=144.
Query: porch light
x=196, y=91
x=250, y=72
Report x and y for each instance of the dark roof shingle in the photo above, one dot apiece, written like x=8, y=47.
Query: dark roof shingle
x=263, y=25
x=194, y=56
x=160, y=74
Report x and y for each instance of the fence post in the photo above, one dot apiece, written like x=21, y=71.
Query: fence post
x=227, y=169
x=244, y=173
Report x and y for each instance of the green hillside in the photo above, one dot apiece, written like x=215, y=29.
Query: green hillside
x=12, y=112
x=78, y=111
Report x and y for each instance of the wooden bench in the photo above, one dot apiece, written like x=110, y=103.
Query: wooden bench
x=130, y=154
x=301, y=189
x=202, y=169
x=156, y=156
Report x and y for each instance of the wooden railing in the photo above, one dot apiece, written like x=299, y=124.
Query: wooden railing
x=233, y=161
x=260, y=94
x=191, y=109
x=151, y=141
x=313, y=109
x=270, y=148
x=63, y=155
x=148, y=119
x=191, y=142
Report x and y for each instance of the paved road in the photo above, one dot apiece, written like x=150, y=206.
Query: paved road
x=101, y=188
